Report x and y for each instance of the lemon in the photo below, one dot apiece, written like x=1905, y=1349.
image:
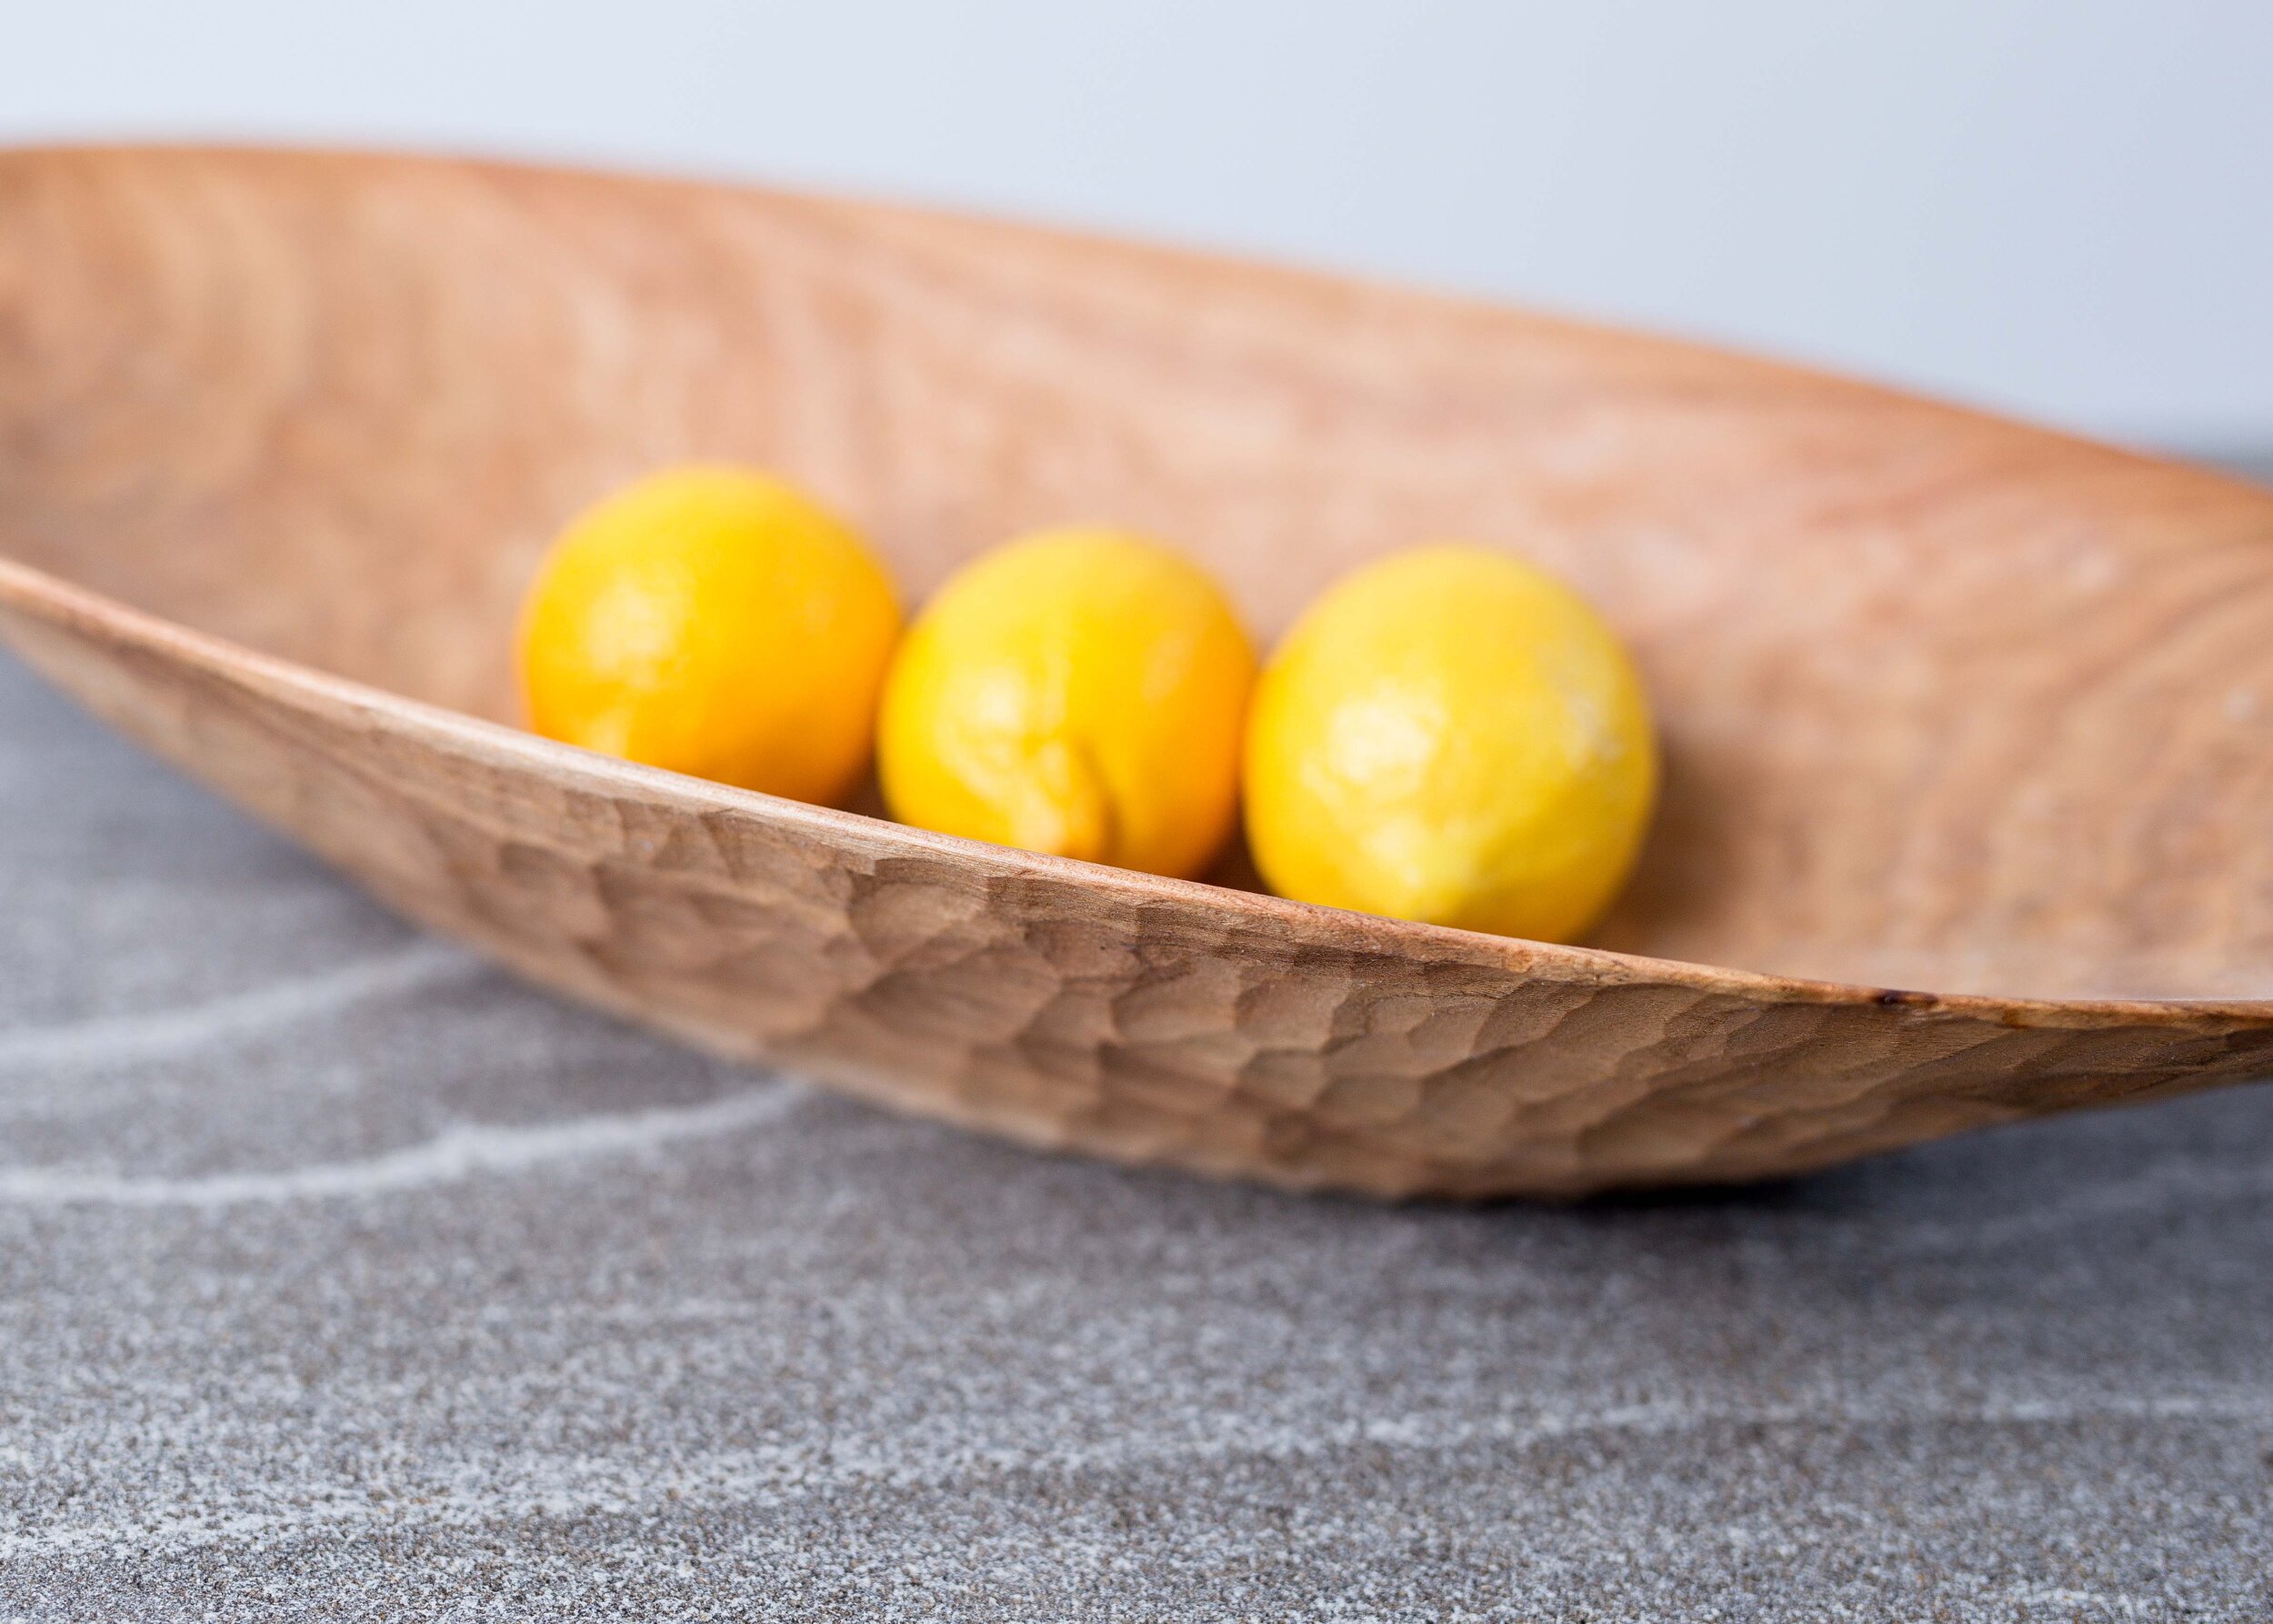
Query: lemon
x=1080, y=692
x=714, y=621
x=1451, y=735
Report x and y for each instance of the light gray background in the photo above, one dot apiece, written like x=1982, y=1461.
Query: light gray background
x=2058, y=206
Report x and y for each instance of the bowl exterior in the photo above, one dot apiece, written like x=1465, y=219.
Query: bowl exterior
x=1069, y=1006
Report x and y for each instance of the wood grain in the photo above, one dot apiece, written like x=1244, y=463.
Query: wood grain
x=1949, y=702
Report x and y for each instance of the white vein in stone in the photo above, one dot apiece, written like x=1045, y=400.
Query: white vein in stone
x=158, y=1034
x=454, y=1154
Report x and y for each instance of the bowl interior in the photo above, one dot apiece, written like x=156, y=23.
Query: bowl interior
x=1947, y=703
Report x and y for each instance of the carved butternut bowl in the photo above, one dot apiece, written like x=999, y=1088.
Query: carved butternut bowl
x=1947, y=703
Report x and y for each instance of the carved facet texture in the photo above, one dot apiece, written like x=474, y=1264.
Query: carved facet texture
x=1948, y=702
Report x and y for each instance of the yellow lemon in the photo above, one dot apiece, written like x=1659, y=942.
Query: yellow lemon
x=1452, y=736
x=1079, y=692
x=716, y=622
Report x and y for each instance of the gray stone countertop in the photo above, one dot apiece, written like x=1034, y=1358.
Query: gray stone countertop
x=343, y=1277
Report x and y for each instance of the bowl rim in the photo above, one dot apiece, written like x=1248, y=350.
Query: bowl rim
x=85, y=612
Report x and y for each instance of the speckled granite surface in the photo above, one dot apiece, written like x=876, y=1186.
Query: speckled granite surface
x=342, y=1279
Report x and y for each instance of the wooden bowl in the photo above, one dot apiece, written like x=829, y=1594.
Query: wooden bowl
x=1946, y=702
